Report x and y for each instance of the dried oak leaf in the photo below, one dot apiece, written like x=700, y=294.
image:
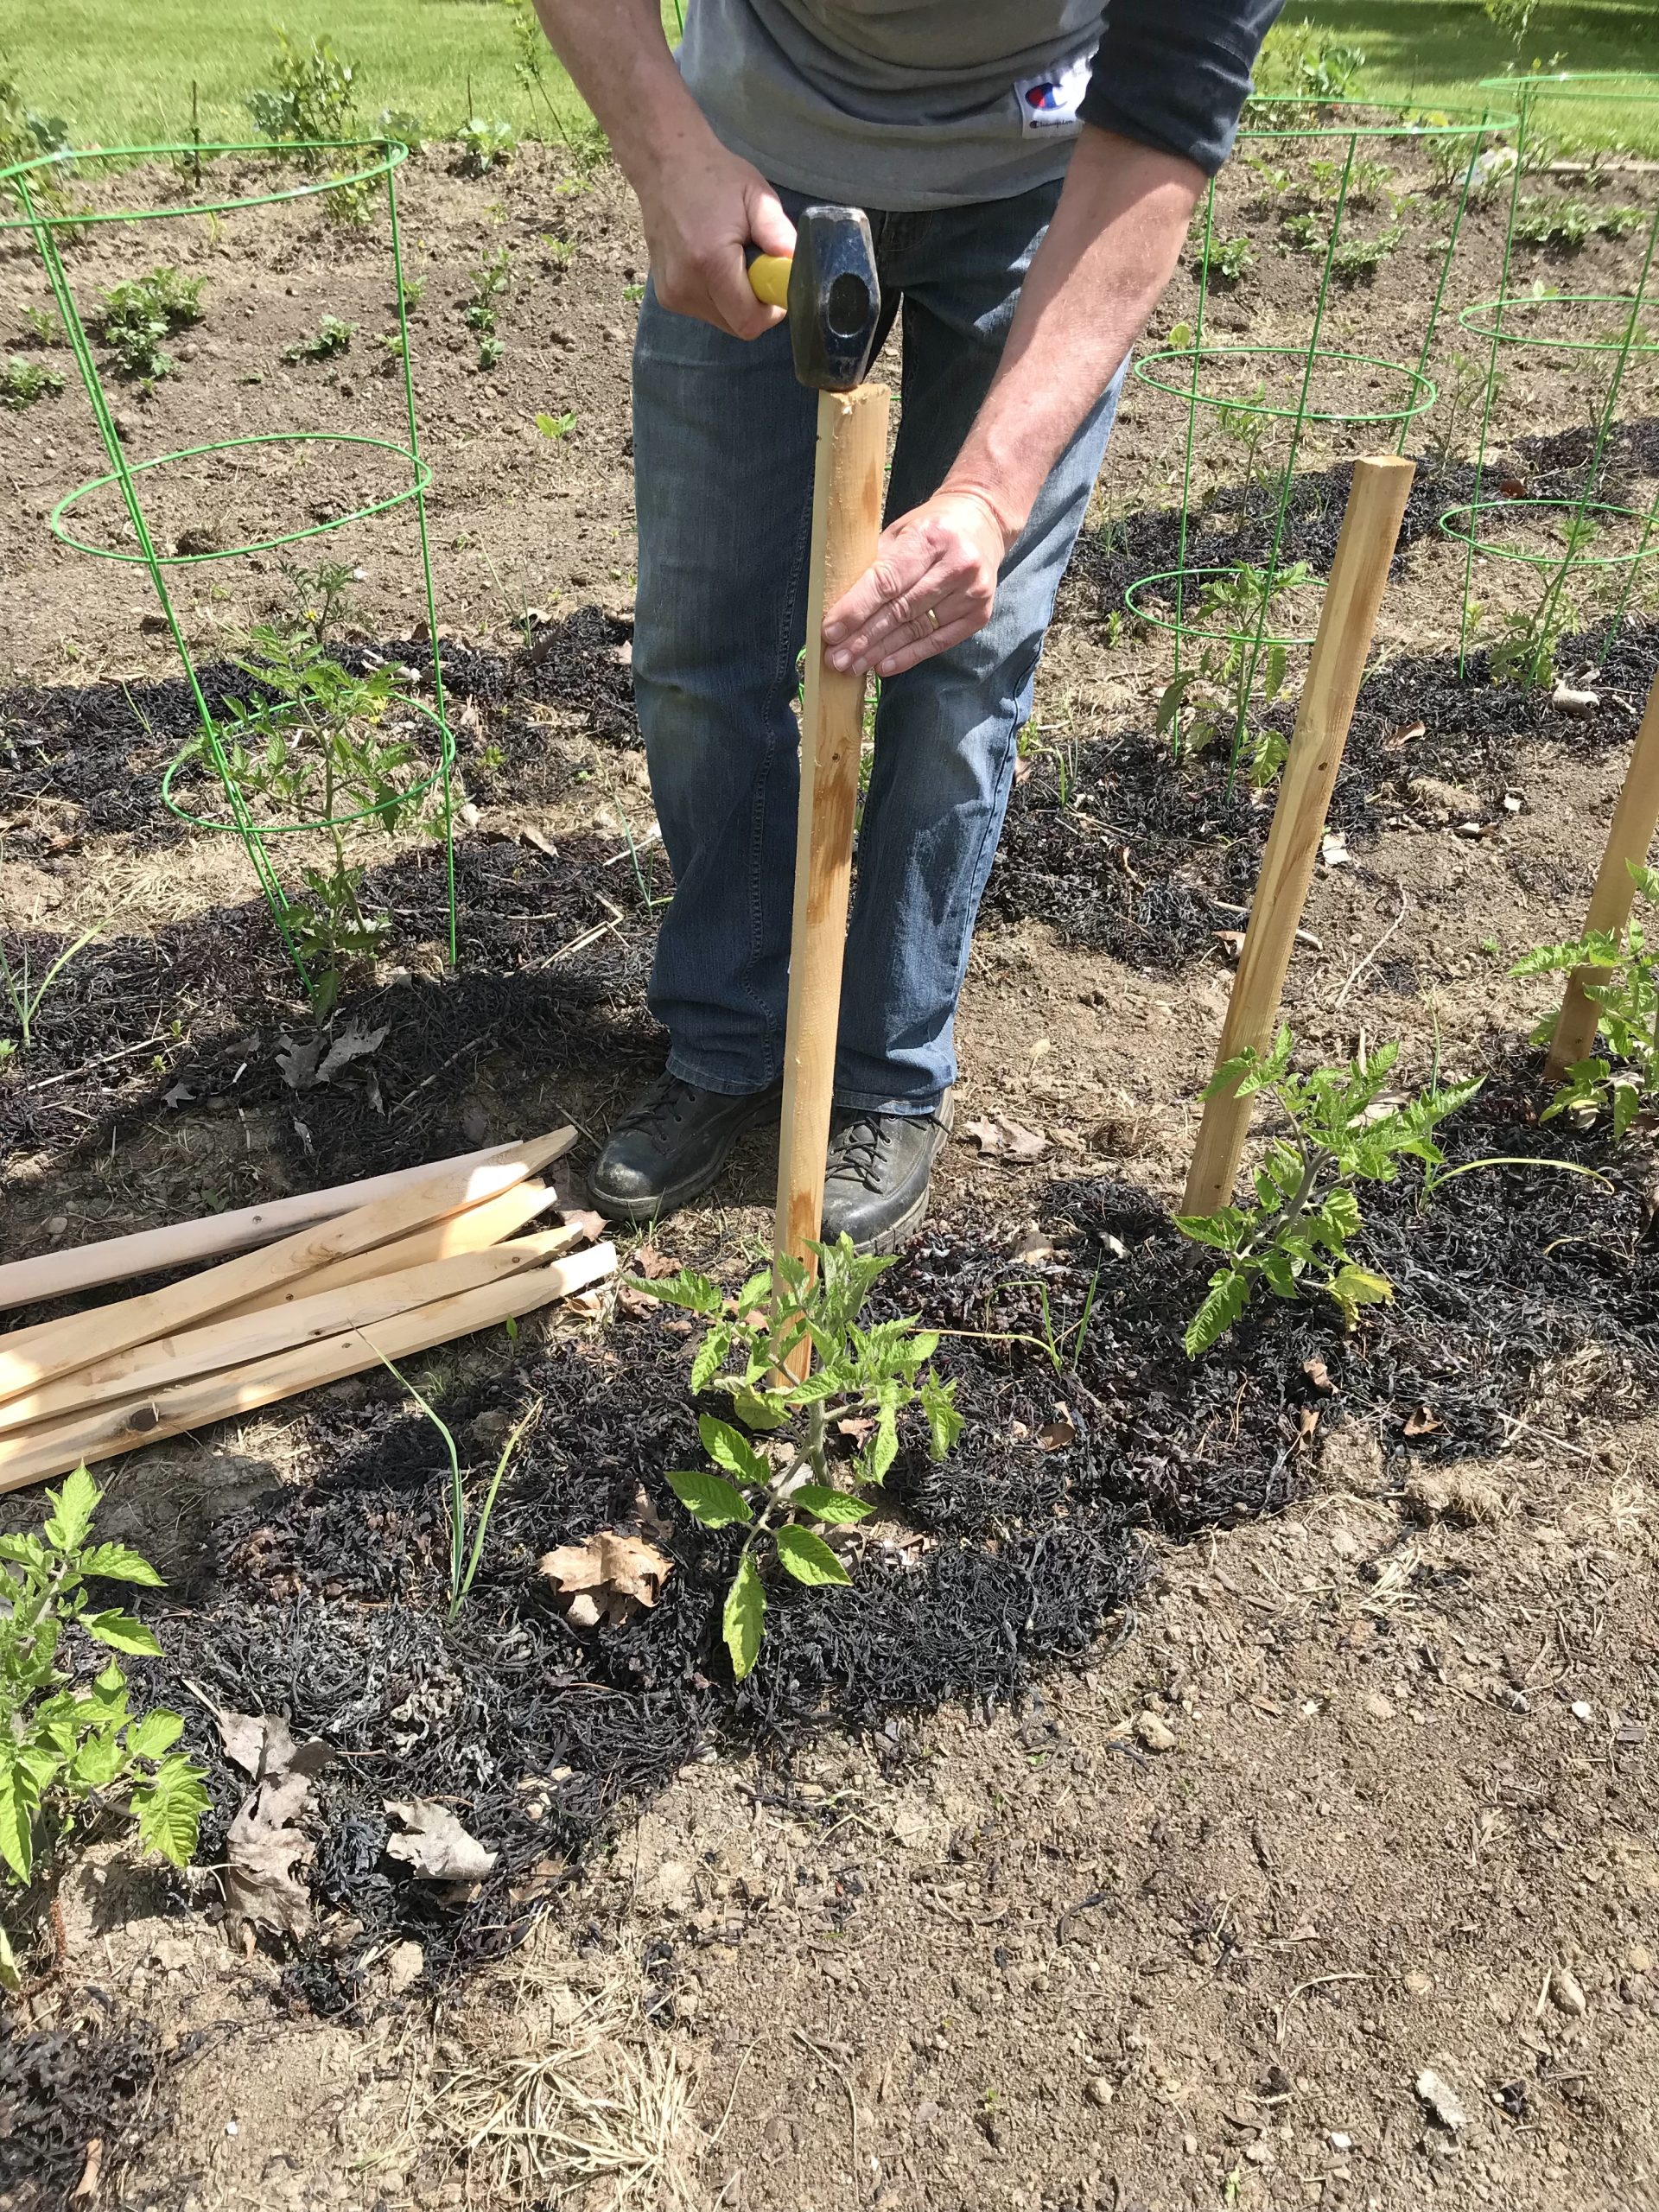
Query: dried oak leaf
x=261, y=1744
x=435, y=1843
x=998, y=1138
x=607, y=1576
x=262, y=1849
x=1423, y=1422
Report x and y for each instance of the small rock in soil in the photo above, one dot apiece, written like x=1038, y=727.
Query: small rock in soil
x=405, y=1963
x=1157, y=1735
x=1100, y=2091
x=1565, y=1994
x=1463, y=1499
x=1441, y=2099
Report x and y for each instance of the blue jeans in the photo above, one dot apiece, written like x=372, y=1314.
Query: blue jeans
x=723, y=453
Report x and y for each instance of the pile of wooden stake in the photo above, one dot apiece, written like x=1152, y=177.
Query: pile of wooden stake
x=370, y=1271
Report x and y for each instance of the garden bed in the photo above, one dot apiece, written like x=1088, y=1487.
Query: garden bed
x=306, y=1552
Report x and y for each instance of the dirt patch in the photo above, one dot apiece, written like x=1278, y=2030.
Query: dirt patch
x=1158, y=1807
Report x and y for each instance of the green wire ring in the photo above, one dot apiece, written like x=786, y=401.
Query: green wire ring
x=1180, y=578
x=1497, y=552
x=420, y=481
x=1555, y=87
x=1506, y=303
x=1478, y=126
x=390, y=151
x=193, y=751
x=1418, y=383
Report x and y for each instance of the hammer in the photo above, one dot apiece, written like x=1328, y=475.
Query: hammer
x=829, y=291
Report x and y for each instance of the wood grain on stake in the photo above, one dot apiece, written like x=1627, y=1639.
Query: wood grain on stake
x=846, y=524
x=490, y=1224
x=1353, y=597
x=184, y=1244
x=161, y=1361
x=1635, y=818
x=29, y=1358
x=57, y=1447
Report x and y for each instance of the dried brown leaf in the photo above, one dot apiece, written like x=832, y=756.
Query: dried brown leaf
x=261, y=1848
x=612, y=1562
x=435, y=1843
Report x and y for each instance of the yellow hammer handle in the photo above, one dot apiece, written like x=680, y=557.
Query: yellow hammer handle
x=769, y=277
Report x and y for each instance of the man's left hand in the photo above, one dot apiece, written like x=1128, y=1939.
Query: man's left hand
x=932, y=583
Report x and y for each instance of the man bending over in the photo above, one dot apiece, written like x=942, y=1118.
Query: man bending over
x=1030, y=168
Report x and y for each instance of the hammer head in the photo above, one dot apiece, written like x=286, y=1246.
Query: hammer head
x=835, y=298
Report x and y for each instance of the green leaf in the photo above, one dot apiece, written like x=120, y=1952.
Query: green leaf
x=11, y=1979
x=1221, y=1230
x=155, y=1734
x=1279, y=1271
x=834, y=1506
x=169, y=1809
x=808, y=1558
x=1339, y=1216
x=711, y=1354
x=72, y=1508
x=727, y=1449
x=1230, y=1293
x=117, y=1564
x=121, y=1632
x=884, y=1446
x=98, y=1762
x=19, y=1795
x=688, y=1288
x=707, y=1499
x=1353, y=1288
x=758, y=1410
x=944, y=1423
x=744, y=1620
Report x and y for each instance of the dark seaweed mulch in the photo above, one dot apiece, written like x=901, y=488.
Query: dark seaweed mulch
x=328, y=1605
x=106, y=745
x=62, y=2088
x=1147, y=859
x=215, y=999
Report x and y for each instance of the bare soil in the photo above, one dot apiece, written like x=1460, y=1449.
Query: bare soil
x=1350, y=1790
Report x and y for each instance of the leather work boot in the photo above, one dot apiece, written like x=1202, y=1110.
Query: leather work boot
x=670, y=1145
x=875, y=1191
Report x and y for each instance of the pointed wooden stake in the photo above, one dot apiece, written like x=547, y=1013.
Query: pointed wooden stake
x=1353, y=597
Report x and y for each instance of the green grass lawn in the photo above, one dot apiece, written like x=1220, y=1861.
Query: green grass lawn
x=1437, y=50
x=121, y=71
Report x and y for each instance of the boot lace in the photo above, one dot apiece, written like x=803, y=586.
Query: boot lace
x=863, y=1149
x=660, y=1110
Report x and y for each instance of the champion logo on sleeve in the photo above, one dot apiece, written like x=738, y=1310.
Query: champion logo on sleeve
x=1051, y=102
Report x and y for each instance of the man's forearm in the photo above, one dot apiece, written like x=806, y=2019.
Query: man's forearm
x=1109, y=252
x=618, y=59
x=702, y=207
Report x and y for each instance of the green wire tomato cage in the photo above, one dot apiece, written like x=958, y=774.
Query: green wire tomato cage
x=1311, y=384
x=36, y=186
x=1515, y=320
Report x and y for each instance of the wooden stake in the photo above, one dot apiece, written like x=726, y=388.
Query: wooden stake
x=1353, y=597
x=1635, y=818
x=185, y=1243
x=162, y=1361
x=472, y=1231
x=56, y=1448
x=29, y=1358
x=852, y=453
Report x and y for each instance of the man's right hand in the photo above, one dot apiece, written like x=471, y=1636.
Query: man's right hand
x=700, y=214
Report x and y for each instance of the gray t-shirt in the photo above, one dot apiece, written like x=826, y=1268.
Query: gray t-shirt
x=914, y=104
x=902, y=104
